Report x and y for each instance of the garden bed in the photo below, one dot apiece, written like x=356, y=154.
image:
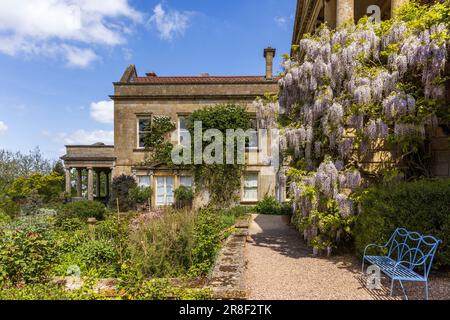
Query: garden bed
x=158, y=255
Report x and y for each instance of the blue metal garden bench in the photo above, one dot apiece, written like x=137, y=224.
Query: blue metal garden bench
x=409, y=257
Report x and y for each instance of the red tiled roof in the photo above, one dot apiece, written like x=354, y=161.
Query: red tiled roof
x=200, y=79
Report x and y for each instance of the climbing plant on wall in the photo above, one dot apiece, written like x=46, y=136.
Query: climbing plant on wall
x=222, y=181
x=156, y=140
x=353, y=93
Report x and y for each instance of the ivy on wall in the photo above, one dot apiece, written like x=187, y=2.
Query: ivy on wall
x=222, y=181
x=156, y=141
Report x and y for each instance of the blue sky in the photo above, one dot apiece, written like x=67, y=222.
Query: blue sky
x=58, y=58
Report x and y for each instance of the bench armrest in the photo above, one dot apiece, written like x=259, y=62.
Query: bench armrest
x=373, y=245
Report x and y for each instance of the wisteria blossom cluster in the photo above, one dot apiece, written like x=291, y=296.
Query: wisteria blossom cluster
x=330, y=180
x=266, y=113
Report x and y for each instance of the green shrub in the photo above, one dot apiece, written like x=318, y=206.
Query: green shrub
x=228, y=217
x=184, y=194
x=183, y=197
x=26, y=252
x=35, y=292
x=162, y=289
x=93, y=257
x=4, y=218
x=120, y=190
x=8, y=206
x=84, y=210
x=207, y=241
x=268, y=205
x=70, y=224
x=160, y=246
x=140, y=195
x=422, y=206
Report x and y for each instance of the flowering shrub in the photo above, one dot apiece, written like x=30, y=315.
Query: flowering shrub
x=351, y=92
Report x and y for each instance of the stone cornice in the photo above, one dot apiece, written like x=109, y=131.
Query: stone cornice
x=186, y=97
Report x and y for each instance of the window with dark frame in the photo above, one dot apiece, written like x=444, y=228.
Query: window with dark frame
x=143, y=129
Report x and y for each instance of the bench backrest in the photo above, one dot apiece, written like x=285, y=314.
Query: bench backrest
x=413, y=248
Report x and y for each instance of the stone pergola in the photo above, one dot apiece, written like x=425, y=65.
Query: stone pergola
x=96, y=159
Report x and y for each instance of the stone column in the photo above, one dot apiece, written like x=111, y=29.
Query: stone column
x=97, y=183
x=330, y=13
x=79, y=182
x=107, y=184
x=345, y=11
x=68, y=182
x=395, y=4
x=90, y=184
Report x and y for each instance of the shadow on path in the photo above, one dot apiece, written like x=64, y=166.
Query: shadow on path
x=277, y=249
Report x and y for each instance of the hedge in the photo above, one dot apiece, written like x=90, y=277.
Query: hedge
x=422, y=206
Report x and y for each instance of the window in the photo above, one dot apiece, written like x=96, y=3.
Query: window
x=144, y=181
x=251, y=141
x=164, y=191
x=143, y=129
x=250, y=187
x=183, y=132
x=186, y=181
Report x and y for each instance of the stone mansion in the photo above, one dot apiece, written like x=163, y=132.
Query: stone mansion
x=139, y=98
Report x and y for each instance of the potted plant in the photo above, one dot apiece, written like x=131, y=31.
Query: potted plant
x=141, y=196
x=183, y=197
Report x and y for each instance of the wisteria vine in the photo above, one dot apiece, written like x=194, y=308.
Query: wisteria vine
x=346, y=92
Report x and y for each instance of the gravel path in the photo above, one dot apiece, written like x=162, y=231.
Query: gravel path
x=281, y=267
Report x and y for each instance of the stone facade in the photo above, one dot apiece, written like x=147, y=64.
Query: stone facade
x=143, y=97
x=311, y=14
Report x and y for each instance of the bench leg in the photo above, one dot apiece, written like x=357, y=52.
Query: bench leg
x=426, y=290
x=392, y=287
x=362, y=268
x=403, y=288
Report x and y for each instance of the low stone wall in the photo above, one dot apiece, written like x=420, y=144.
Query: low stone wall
x=227, y=280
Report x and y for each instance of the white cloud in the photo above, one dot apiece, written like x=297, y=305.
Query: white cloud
x=127, y=54
x=67, y=28
x=169, y=23
x=77, y=57
x=283, y=21
x=83, y=137
x=103, y=111
x=3, y=127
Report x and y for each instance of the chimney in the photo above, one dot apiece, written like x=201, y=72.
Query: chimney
x=269, y=54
